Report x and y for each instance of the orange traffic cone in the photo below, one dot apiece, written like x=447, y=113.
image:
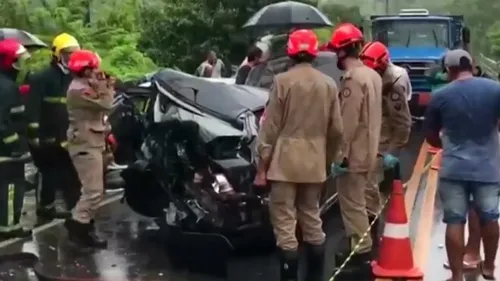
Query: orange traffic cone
x=437, y=162
x=395, y=255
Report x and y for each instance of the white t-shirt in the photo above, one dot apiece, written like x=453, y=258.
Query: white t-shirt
x=217, y=69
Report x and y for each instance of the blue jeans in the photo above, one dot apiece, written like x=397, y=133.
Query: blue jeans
x=455, y=197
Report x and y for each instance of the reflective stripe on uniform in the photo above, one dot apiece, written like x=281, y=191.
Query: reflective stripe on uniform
x=396, y=231
x=10, y=228
x=10, y=139
x=33, y=125
x=146, y=106
x=53, y=140
x=17, y=109
x=55, y=99
x=10, y=210
x=5, y=159
x=49, y=140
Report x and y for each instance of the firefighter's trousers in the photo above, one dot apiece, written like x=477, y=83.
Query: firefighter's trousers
x=58, y=173
x=12, y=189
x=292, y=203
x=88, y=162
x=372, y=191
x=351, y=189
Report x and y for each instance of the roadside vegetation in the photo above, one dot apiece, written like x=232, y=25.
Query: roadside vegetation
x=135, y=37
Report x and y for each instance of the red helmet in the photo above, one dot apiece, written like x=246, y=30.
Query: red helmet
x=375, y=55
x=302, y=40
x=344, y=35
x=11, y=54
x=24, y=89
x=82, y=59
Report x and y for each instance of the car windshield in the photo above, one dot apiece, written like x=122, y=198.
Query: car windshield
x=412, y=33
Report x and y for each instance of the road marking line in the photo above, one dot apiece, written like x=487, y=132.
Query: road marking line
x=55, y=222
x=414, y=182
x=426, y=221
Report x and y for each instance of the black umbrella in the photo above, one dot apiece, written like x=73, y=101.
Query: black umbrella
x=27, y=39
x=288, y=14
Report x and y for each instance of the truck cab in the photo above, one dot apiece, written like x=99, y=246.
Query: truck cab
x=417, y=41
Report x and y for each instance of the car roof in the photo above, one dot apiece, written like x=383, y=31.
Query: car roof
x=326, y=62
x=216, y=96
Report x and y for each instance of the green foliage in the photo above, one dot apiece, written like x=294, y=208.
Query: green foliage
x=338, y=13
x=180, y=32
x=134, y=36
x=482, y=18
x=114, y=34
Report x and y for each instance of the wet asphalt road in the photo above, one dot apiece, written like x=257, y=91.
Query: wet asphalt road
x=135, y=250
x=134, y=253
x=438, y=253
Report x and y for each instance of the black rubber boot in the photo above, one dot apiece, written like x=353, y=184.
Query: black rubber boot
x=315, y=261
x=289, y=262
x=48, y=214
x=358, y=267
x=84, y=235
x=374, y=233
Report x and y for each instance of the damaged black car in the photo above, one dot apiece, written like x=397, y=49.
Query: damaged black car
x=189, y=145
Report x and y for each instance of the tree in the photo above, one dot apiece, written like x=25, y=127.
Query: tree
x=338, y=13
x=483, y=22
x=113, y=31
x=180, y=32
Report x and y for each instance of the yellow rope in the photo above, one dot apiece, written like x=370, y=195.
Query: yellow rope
x=351, y=254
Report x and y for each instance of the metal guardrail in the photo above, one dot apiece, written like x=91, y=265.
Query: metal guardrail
x=490, y=66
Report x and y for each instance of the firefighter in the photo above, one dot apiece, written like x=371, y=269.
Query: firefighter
x=396, y=119
x=13, y=147
x=361, y=99
x=302, y=122
x=89, y=98
x=47, y=130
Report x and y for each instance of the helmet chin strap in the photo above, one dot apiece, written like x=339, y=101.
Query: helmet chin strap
x=63, y=67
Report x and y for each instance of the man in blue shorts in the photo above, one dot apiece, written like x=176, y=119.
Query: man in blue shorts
x=467, y=111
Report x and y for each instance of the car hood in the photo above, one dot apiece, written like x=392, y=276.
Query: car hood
x=417, y=53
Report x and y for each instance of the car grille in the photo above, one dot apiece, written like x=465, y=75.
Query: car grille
x=417, y=74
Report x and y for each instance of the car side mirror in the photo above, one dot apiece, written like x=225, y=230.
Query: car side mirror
x=466, y=35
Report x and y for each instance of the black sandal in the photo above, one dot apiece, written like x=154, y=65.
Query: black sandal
x=485, y=276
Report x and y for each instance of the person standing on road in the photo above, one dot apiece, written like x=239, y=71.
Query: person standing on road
x=212, y=67
x=13, y=146
x=89, y=98
x=467, y=112
x=472, y=257
x=396, y=119
x=361, y=100
x=253, y=58
x=303, y=121
x=47, y=128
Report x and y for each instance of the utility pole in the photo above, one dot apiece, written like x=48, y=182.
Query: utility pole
x=386, y=7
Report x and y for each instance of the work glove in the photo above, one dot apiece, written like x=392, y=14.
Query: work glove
x=338, y=169
x=390, y=161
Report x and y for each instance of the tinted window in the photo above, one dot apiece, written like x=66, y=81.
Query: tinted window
x=326, y=62
x=412, y=33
